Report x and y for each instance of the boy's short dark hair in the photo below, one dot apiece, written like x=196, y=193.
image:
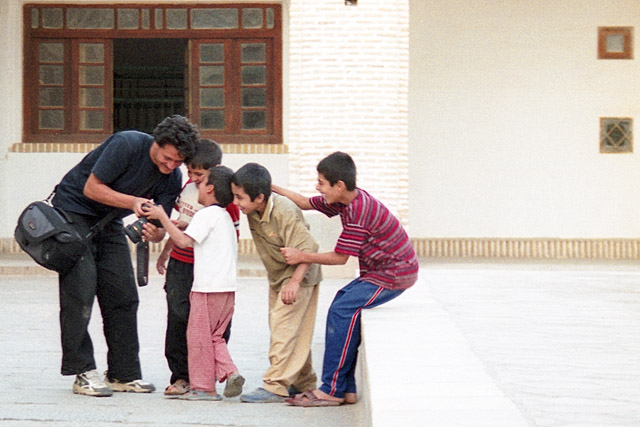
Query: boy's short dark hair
x=179, y=132
x=207, y=154
x=220, y=178
x=339, y=166
x=255, y=179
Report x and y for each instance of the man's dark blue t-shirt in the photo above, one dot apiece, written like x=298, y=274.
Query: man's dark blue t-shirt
x=123, y=163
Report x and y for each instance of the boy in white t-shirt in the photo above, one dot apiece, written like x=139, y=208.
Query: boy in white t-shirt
x=177, y=263
x=212, y=235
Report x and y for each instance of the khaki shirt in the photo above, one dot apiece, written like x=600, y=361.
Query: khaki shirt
x=282, y=225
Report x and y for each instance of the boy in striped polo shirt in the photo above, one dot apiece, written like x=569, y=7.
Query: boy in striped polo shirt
x=388, y=266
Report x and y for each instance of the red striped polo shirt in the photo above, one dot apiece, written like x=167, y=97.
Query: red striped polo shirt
x=376, y=237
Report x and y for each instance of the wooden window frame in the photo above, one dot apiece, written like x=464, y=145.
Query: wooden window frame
x=627, y=36
x=34, y=32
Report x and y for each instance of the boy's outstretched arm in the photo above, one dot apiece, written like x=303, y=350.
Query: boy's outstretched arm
x=157, y=212
x=295, y=256
x=297, y=198
x=161, y=263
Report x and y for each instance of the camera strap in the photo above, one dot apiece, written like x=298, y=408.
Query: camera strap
x=142, y=263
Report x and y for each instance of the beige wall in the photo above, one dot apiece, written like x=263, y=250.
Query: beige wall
x=505, y=100
x=467, y=118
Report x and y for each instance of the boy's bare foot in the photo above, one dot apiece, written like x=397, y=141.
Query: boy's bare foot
x=324, y=396
x=350, y=397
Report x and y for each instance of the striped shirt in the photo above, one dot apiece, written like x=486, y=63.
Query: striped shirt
x=376, y=237
x=187, y=205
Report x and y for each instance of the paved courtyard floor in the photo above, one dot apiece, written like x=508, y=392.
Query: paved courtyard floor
x=35, y=394
x=560, y=339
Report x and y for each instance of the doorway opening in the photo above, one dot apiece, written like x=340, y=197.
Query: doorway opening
x=149, y=82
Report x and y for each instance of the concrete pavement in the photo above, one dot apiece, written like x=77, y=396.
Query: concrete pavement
x=472, y=344
x=35, y=394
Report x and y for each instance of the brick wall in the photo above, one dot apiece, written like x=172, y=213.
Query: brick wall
x=347, y=90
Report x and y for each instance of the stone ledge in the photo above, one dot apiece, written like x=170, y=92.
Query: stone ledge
x=71, y=147
x=436, y=378
x=475, y=248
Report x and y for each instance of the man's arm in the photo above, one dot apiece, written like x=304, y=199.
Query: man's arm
x=297, y=198
x=102, y=193
x=294, y=256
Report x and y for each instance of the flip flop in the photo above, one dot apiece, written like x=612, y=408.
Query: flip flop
x=309, y=400
x=200, y=395
x=178, y=388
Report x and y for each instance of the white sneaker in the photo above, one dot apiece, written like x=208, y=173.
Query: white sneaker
x=135, y=386
x=90, y=383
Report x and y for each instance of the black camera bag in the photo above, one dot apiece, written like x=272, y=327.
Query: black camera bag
x=46, y=234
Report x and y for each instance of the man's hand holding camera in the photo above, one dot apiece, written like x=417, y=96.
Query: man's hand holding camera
x=143, y=228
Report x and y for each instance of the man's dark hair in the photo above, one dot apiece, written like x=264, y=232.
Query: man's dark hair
x=179, y=132
x=255, y=179
x=339, y=166
x=220, y=178
x=207, y=154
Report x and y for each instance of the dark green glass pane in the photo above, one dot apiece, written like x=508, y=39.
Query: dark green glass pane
x=51, y=119
x=91, y=120
x=254, y=52
x=212, y=119
x=218, y=18
x=128, y=19
x=51, y=74
x=145, y=19
x=270, y=18
x=91, y=75
x=35, y=18
x=254, y=74
x=211, y=75
x=52, y=17
x=177, y=19
x=212, y=52
x=254, y=97
x=91, y=97
x=88, y=18
x=212, y=97
x=254, y=120
x=51, y=97
x=92, y=52
x=251, y=18
x=51, y=52
x=158, y=22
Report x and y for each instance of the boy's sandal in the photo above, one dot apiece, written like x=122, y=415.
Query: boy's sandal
x=309, y=400
x=200, y=395
x=177, y=388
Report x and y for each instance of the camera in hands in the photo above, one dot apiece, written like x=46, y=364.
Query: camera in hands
x=134, y=230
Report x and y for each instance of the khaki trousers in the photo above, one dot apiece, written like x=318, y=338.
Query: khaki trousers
x=291, y=329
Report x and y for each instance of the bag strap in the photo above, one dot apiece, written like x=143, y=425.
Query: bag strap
x=98, y=226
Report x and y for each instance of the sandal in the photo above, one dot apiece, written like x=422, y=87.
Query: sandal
x=178, y=388
x=310, y=400
x=201, y=395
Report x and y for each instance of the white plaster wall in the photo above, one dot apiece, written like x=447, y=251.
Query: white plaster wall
x=504, y=107
x=348, y=80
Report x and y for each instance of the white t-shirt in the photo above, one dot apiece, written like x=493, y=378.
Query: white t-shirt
x=215, y=250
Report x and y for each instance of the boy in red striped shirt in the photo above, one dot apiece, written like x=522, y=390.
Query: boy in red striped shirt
x=388, y=266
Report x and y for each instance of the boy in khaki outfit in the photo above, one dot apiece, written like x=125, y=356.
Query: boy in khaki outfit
x=275, y=223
